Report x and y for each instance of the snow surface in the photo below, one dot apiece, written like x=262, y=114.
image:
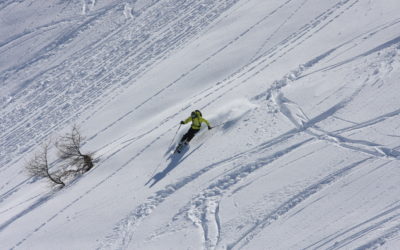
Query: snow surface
x=303, y=94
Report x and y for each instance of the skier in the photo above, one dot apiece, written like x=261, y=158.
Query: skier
x=196, y=119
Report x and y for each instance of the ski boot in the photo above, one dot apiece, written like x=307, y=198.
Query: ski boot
x=180, y=146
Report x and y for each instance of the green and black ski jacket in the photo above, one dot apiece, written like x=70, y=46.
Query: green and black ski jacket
x=196, y=122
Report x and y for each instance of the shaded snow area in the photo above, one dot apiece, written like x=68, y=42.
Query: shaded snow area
x=303, y=97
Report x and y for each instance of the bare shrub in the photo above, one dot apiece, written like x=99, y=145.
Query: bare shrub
x=69, y=147
x=74, y=162
x=38, y=166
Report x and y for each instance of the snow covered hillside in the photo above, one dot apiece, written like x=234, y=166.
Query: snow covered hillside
x=303, y=96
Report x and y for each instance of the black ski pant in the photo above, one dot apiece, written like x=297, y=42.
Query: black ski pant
x=189, y=135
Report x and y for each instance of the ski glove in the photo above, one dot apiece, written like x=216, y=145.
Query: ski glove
x=182, y=122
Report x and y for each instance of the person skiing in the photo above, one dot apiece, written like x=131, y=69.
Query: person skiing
x=197, y=119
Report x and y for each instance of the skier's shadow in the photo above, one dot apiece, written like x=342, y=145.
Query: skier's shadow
x=175, y=160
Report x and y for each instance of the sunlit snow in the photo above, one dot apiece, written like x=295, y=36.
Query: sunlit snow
x=303, y=97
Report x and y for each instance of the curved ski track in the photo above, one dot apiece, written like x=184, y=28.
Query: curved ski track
x=124, y=231
x=92, y=79
x=97, y=70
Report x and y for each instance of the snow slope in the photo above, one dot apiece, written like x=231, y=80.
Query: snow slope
x=302, y=94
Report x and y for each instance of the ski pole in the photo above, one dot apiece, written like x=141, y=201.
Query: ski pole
x=173, y=139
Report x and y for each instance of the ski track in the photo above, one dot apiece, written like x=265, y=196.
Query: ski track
x=205, y=205
x=123, y=231
x=203, y=94
x=303, y=124
x=358, y=40
x=6, y=3
x=259, y=64
x=291, y=203
x=104, y=157
x=19, y=204
x=212, y=90
x=37, y=229
x=360, y=230
x=226, y=82
x=325, y=115
x=300, y=72
x=249, y=182
x=10, y=142
x=51, y=49
x=37, y=203
x=263, y=19
x=296, y=115
x=381, y=240
x=59, y=212
x=300, y=120
x=18, y=39
x=94, y=79
x=279, y=27
x=181, y=77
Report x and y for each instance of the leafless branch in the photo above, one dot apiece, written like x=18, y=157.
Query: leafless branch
x=38, y=166
x=69, y=147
